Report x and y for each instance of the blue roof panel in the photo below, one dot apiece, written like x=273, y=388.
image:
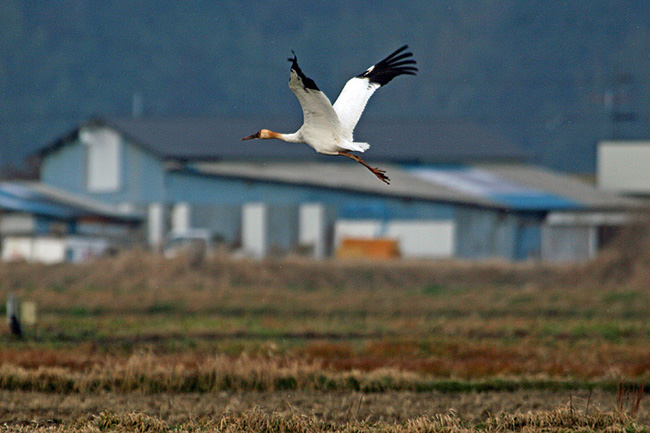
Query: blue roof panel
x=22, y=197
x=536, y=201
x=487, y=185
x=35, y=205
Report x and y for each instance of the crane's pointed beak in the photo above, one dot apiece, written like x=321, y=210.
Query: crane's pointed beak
x=250, y=137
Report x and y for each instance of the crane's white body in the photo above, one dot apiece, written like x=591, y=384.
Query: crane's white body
x=328, y=128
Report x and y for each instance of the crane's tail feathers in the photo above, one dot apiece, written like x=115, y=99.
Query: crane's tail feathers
x=356, y=146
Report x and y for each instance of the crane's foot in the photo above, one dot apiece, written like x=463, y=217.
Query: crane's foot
x=381, y=174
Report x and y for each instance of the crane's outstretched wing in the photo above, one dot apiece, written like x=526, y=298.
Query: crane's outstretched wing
x=317, y=109
x=358, y=90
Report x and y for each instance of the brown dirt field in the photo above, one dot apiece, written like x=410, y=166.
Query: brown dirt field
x=475, y=320
x=20, y=408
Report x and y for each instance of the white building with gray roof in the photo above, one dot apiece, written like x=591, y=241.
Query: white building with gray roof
x=457, y=191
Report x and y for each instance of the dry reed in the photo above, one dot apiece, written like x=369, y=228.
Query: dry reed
x=148, y=373
x=559, y=420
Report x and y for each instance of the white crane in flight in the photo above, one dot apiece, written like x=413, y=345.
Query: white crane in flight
x=328, y=128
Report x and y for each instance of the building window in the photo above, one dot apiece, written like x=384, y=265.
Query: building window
x=103, y=161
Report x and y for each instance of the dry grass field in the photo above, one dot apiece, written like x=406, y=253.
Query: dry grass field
x=139, y=342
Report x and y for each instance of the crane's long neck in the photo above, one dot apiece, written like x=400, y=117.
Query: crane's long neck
x=290, y=138
x=265, y=133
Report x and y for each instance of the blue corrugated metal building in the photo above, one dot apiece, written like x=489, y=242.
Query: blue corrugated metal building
x=456, y=190
x=39, y=222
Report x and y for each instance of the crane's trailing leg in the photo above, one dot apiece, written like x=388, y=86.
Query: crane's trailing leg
x=381, y=174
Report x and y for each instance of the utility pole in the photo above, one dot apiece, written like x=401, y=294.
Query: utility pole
x=619, y=104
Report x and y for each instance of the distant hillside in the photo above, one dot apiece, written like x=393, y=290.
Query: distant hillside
x=554, y=76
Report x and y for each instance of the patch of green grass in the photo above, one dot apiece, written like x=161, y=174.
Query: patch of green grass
x=521, y=300
x=434, y=290
x=58, y=288
x=81, y=311
x=164, y=308
x=625, y=297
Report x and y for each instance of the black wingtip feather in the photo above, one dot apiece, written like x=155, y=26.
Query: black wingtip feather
x=307, y=82
x=397, y=63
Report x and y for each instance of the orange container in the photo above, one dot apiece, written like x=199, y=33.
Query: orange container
x=375, y=248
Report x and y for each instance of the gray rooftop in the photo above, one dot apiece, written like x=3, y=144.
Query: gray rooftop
x=341, y=176
x=505, y=186
x=219, y=138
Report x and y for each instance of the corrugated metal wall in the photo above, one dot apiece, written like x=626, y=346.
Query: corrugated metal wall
x=492, y=233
